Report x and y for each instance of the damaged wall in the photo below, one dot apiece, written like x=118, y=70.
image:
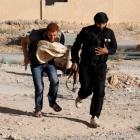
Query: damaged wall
x=70, y=10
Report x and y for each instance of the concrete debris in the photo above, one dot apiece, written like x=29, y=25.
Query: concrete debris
x=123, y=81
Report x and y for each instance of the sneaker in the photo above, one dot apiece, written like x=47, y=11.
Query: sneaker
x=56, y=107
x=78, y=102
x=94, y=122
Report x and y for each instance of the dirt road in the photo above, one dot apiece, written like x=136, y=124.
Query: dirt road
x=120, y=118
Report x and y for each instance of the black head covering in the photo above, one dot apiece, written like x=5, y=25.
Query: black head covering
x=101, y=17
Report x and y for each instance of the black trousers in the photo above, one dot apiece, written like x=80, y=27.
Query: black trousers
x=92, y=80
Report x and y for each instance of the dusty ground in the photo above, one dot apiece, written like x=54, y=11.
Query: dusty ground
x=120, y=118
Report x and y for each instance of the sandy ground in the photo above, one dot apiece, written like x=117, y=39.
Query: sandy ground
x=120, y=118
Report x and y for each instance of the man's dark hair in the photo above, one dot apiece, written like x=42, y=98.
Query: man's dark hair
x=101, y=17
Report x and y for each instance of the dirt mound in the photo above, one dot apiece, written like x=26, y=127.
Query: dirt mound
x=123, y=81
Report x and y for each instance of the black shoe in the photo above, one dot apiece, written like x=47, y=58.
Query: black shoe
x=38, y=113
x=56, y=107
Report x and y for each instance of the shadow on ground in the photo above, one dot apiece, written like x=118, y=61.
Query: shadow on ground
x=7, y=110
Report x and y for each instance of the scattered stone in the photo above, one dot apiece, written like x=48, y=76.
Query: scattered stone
x=19, y=123
x=127, y=83
x=113, y=80
x=123, y=81
x=11, y=137
x=43, y=120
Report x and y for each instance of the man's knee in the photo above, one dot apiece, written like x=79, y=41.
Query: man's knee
x=54, y=82
x=39, y=90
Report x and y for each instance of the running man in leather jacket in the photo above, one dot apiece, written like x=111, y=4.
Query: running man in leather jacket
x=96, y=42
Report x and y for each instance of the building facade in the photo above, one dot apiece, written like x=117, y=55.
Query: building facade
x=70, y=10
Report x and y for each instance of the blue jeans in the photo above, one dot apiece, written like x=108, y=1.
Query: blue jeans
x=37, y=74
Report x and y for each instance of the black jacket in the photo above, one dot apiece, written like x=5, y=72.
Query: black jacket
x=90, y=38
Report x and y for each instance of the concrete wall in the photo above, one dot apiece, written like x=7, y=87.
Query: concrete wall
x=77, y=10
x=72, y=11
x=126, y=10
x=84, y=10
x=19, y=9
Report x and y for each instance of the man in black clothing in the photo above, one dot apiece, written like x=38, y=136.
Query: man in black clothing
x=96, y=43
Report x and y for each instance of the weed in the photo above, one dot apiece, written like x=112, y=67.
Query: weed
x=3, y=31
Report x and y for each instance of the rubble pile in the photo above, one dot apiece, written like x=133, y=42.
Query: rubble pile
x=122, y=81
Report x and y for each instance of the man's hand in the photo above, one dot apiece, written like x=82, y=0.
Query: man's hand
x=101, y=51
x=26, y=62
x=74, y=67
